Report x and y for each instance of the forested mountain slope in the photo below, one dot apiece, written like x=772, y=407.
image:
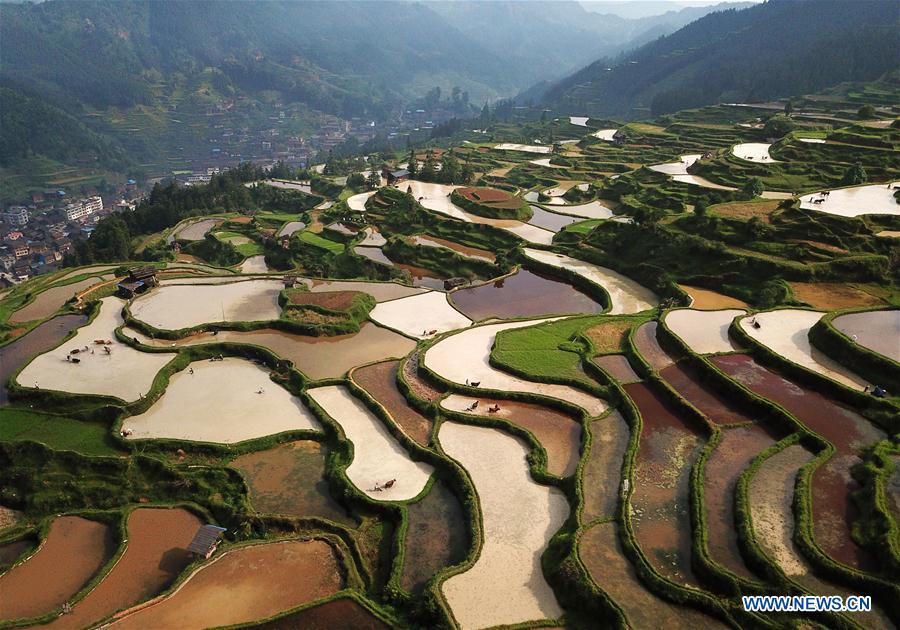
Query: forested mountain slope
x=779, y=48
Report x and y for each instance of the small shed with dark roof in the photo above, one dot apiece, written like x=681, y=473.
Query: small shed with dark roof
x=206, y=540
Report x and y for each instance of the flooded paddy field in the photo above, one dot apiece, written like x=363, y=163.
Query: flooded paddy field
x=80, y=271
x=49, y=301
x=771, y=495
x=833, y=510
x=506, y=584
x=690, y=385
x=374, y=254
x=303, y=570
x=753, y=152
x=380, y=381
x=377, y=455
x=550, y=220
x=786, y=332
x=343, y=612
x=602, y=473
x=255, y=264
x=422, y=277
x=12, y=551
x=73, y=552
x=196, y=231
x=590, y=210
x=288, y=479
x=855, y=201
x=290, y=227
x=662, y=468
x=183, y=306
x=601, y=551
x=436, y=536
x=879, y=331
x=558, y=433
x=357, y=203
x=469, y=252
x=618, y=367
x=465, y=357
x=523, y=294
x=626, y=295
x=419, y=315
x=648, y=347
x=317, y=357
x=39, y=340
x=731, y=456
x=123, y=372
x=381, y=291
x=704, y=332
x=155, y=554
x=223, y=401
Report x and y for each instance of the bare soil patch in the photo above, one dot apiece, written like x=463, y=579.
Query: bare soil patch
x=832, y=296
x=746, y=210
x=709, y=300
x=609, y=337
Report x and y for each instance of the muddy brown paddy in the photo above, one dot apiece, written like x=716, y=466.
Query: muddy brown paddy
x=689, y=384
x=601, y=551
x=833, y=510
x=246, y=584
x=729, y=459
x=618, y=367
x=48, y=302
x=436, y=536
x=602, y=473
x=380, y=381
x=42, y=338
x=10, y=552
x=648, y=347
x=667, y=451
x=338, y=613
x=288, y=479
x=73, y=552
x=156, y=553
x=523, y=294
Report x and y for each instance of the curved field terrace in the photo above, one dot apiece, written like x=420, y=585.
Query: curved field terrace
x=704, y=332
x=879, y=331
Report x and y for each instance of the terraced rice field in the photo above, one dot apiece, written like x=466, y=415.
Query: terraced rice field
x=626, y=295
x=602, y=473
x=47, y=302
x=419, y=315
x=704, y=332
x=550, y=220
x=879, y=331
x=378, y=457
x=592, y=210
x=855, y=201
x=380, y=382
x=648, y=347
x=381, y=291
x=184, y=306
x=505, y=585
x=304, y=570
x=707, y=300
x=73, y=552
x=435, y=538
x=618, y=367
x=342, y=612
x=753, y=152
x=196, y=230
x=832, y=484
x=317, y=357
x=289, y=479
x=668, y=448
x=556, y=432
x=123, y=373
x=155, y=554
x=469, y=252
x=464, y=357
x=785, y=331
x=601, y=551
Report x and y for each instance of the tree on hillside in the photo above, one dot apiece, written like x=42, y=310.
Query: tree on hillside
x=412, y=167
x=373, y=181
x=356, y=181
x=753, y=187
x=428, y=168
x=856, y=174
x=866, y=112
x=778, y=126
x=700, y=208
x=789, y=107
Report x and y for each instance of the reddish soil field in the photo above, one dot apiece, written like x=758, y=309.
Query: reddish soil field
x=156, y=553
x=609, y=336
x=685, y=380
x=436, y=536
x=334, y=300
x=249, y=583
x=338, y=613
x=833, y=511
x=667, y=452
x=709, y=300
x=10, y=552
x=420, y=387
x=288, y=480
x=523, y=294
x=602, y=473
x=601, y=551
x=73, y=552
x=831, y=296
x=730, y=458
x=42, y=338
x=617, y=366
x=380, y=381
x=648, y=347
x=490, y=197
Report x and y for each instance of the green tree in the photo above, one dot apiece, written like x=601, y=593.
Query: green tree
x=373, y=181
x=356, y=181
x=866, y=112
x=428, y=168
x=412, y=167
x=789, y=107
x=778, y=126
x=700, y=208
x=856, y=174
x=753, y=187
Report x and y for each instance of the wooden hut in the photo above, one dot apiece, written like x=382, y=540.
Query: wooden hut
x=206, y=540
